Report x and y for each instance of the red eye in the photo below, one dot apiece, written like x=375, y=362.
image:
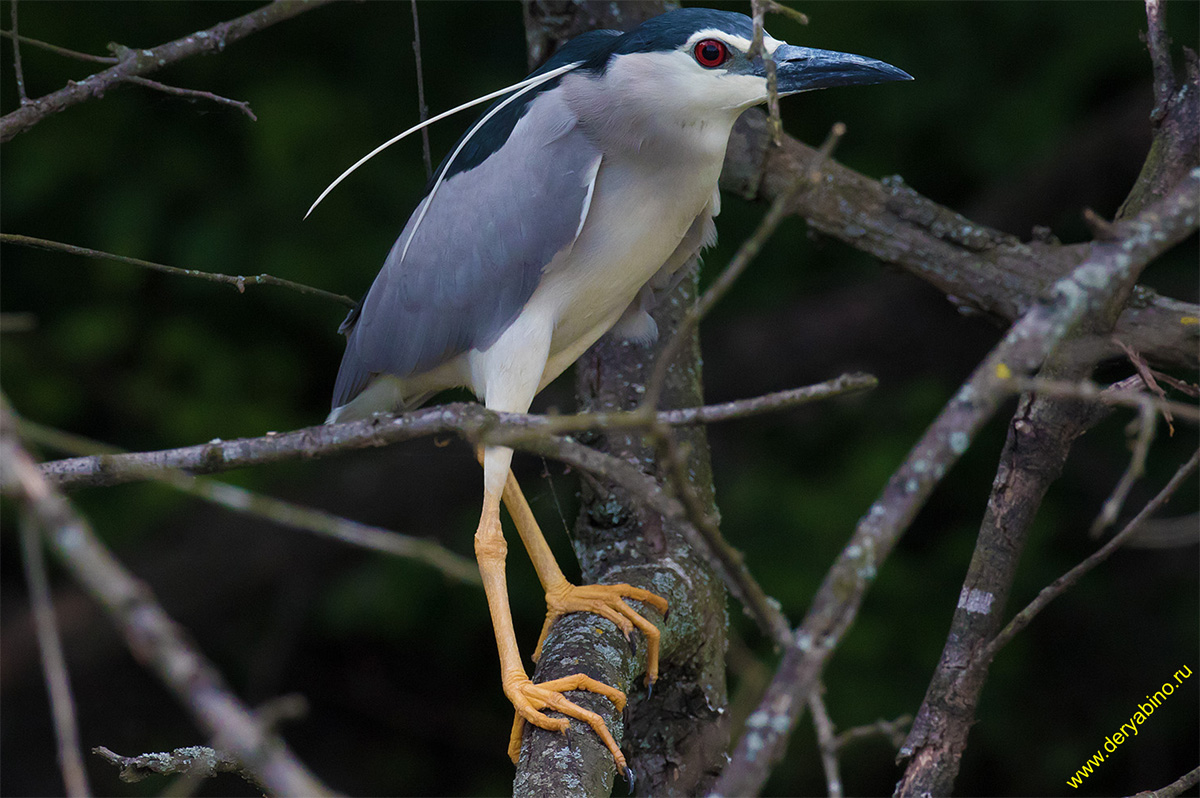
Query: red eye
x=711, y=53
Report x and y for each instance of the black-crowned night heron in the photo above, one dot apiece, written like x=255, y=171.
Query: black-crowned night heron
x=554, y=220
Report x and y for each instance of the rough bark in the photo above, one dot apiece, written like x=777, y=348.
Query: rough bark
x=979, y=269
x=1039, y=442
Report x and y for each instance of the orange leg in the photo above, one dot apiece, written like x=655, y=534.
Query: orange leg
x=562, y=597
x=528, y=699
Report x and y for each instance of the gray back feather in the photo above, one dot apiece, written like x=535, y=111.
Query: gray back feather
x=478, y=254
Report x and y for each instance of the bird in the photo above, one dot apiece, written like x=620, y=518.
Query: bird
x=579, y=197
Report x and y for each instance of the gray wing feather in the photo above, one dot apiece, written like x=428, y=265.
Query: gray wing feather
x=478, y=254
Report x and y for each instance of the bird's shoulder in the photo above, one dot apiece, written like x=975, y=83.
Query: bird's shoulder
x=495, y=132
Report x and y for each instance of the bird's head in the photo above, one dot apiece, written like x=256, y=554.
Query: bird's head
x=689, y=68
x=698, y=61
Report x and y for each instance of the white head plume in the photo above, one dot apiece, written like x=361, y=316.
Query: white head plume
x=519, y=88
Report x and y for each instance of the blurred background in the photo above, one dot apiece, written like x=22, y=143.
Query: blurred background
x=1022, y=114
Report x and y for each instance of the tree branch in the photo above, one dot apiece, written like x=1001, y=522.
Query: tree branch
x=141, y=62
x=978, y=268
x=1039, y=440
x=1175, y=788
x=469, y=419
x=1107, y=273
x=240, y=105
x=18, y=72
x=680, y=731
x=54, y=48
x=193, y=761
x=1064, y=582
x=153, y=638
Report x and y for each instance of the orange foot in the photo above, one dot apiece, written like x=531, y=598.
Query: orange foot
x=530, y=699
x=608, y=601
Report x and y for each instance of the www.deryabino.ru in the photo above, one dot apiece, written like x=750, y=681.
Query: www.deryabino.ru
x=1130, y=727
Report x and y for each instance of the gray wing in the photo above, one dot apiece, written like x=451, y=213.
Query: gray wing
x=478, y=254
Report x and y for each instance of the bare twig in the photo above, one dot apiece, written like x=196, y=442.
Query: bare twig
x=193, y=761
x=422, y=107
x=893, y=730
x=1188, y=388
x=1160, y=59
x=467, y=419
x=1167, y=533
x=768, y=403
x=1101, y=228
x=723, y=558
x=143, y=61
x=244, y=107
x=152, y=636
x=1064, y=582
x=774, y=7
x=18, y=73
x=1174, y=120
x=759, y=9
x=1148, y=379
x=1175, y=788
x=826, y=741
x=237, y=281
x=63, y=51
x=1146, y=423
x=54, y=666
x=1114, y=395
x=17, y=322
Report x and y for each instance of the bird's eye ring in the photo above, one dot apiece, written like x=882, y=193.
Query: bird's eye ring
x=711, y=53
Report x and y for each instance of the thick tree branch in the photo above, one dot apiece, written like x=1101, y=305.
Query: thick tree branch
x=977, y=268
x=141, y=62
x=1107, y=273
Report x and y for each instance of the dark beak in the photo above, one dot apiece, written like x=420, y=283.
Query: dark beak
x=804, y=69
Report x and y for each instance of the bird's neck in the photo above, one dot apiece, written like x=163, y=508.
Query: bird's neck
x=667, y=130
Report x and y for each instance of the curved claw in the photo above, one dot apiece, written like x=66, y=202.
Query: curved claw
x=530, y=699
x=608, y=601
